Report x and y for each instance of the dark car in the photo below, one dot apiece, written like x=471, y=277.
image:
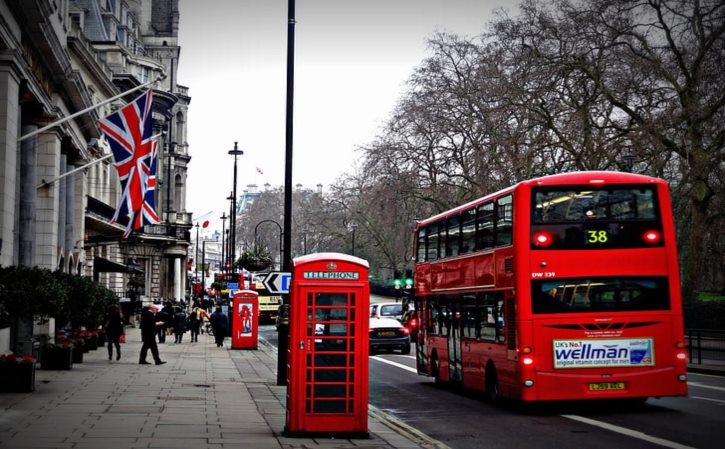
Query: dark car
x=412, y=323
x=388, y=334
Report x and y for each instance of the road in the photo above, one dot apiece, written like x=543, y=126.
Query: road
x=461, y=419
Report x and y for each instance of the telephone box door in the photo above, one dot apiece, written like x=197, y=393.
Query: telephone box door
x=328, y=372
x=245, y=321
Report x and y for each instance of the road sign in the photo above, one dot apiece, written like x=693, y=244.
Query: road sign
x=232, y=285
x=278, y=282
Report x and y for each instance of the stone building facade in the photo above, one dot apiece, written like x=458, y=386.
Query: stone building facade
x=58, y=187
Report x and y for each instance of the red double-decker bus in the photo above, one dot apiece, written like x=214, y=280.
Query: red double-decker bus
x=562, y=287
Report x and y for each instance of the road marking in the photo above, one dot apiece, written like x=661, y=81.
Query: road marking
x=708, y=399
x=399, y=427
x=628, y=432
x=699, y=385
x=399, y=365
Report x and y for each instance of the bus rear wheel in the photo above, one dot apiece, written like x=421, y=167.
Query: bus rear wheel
x=435, y=370
x=491, y=385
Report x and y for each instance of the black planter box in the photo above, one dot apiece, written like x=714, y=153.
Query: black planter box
x=17, y=377
x=77, y=353
x=90, y=343
x=57, y=357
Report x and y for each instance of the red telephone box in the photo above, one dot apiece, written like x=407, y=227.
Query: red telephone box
x=245, y=322
x=327, y=371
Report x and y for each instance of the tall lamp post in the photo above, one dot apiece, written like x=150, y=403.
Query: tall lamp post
x=223, y=219
x=283, y=330
x=233, y=219
x=231, y=225
x=196, y=258
x=353, y=226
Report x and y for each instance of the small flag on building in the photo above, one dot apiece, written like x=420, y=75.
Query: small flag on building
x=128, y=131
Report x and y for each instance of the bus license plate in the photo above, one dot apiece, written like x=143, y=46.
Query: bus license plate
x=601, y=386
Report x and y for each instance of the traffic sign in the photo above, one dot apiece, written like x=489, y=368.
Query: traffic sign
x=232, y=285
x=278, y=282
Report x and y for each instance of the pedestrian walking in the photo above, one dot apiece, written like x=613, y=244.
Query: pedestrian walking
x=166, y=314
x=149, y=326
x=179, y=324
x=114, y=329
x=194, y=321
x=220, y=326
x=202, y=315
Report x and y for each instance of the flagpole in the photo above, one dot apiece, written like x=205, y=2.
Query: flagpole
x=45, y=183
x=76, y=114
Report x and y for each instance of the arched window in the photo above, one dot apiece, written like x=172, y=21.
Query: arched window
x=178, y=186
x=180, y=123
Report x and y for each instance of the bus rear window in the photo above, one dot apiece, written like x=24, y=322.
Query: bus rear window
x=581, y=217
x=600, y=294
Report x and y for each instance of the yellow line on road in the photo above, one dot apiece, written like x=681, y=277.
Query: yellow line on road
x=399, y=427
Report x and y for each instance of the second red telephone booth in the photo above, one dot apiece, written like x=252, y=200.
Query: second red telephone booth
x=245, y=322
x=327, y=375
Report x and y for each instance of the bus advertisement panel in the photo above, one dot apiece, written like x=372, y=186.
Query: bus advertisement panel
x=561, y=287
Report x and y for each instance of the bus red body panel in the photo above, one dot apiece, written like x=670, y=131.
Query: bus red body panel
x=561, y=287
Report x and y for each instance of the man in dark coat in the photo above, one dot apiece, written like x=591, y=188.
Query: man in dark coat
x=219, y=325
x=149, y=325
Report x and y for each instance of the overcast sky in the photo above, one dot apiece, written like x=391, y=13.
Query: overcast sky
x=352, y=58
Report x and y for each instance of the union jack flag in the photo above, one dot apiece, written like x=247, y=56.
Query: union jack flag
x=128, y=131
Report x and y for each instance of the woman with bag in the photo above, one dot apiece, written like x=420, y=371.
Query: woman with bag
x=114, y=330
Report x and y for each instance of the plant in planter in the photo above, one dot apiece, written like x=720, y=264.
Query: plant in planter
x=78, y=349
x=57, y=356
x=17, y=374
x=255, y=259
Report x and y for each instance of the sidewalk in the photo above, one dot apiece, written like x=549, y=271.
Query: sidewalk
x=204, y=397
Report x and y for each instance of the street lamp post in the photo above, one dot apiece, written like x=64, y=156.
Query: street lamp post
x=283, y=330
x=353, y=226
x=196, y=258
x=224, y=219
x=281, y=233
x=203, y=271
x=233, y=219
x=229, y=231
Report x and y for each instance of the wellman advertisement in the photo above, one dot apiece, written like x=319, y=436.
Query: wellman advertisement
x=593, y=353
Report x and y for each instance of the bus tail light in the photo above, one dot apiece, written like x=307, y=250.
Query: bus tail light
x=526, y=350
x=652, y=237
x=543, y=239
x=528, y=361
x=680, y=344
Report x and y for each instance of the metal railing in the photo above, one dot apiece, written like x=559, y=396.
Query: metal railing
x=705, y=346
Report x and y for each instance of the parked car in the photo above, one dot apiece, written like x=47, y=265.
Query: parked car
x=411, y=322
x=387, y=310
x=388, y=334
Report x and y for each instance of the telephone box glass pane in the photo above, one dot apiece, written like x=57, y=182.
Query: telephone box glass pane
x=330, y=375
x=331, y=344
x=335, y=406
x=330, y=360
x=331, y=314
x=330, y=391
x=331, y=299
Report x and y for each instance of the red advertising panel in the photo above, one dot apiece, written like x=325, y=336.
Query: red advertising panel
x=245, y=322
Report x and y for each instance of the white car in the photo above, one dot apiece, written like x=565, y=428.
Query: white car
x=387, y=310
